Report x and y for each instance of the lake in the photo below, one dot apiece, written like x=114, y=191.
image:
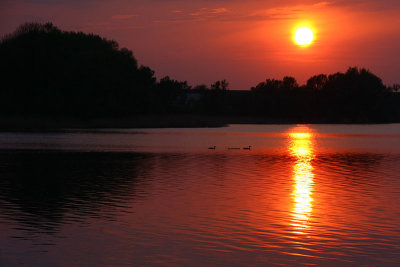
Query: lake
x=303, y=194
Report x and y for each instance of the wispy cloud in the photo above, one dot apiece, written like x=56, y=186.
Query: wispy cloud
x=219, y=10
x=283, y=12
x=124, y=16
x=287, y=12
x=200, y=14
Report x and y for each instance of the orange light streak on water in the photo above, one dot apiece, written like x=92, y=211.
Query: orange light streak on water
x=301, y=148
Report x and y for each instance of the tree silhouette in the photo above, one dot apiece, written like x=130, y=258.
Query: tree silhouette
x=49, y=71
x=317, y=82
x=289, y=83
x=170, y=95
x=220, y=85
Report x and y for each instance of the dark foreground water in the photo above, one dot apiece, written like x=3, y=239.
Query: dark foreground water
x=303, y=194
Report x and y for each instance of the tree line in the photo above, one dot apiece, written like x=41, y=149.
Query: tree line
x=49, y=72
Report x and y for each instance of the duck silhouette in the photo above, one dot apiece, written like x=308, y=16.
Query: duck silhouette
x=247, y=148
x=213, y=147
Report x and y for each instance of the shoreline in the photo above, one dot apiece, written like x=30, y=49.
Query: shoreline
x=48, y=124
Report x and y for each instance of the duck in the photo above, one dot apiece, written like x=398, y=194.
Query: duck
x=247, y=148
x=213, y=147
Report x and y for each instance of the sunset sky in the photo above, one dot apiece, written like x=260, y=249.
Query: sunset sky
x=244, y=42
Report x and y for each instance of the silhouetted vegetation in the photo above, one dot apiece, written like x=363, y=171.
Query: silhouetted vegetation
x=49, y=71
x=53, y=73
x=354, y=96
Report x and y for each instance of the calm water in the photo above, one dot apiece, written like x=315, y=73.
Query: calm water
x=304, y=194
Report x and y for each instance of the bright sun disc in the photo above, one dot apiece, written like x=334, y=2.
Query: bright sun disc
x=303, y=36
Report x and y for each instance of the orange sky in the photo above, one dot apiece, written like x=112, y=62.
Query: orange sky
x=244, y=42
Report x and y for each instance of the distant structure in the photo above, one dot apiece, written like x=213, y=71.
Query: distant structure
x=193, y=97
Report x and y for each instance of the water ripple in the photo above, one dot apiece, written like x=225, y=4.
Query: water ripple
x=297, y=198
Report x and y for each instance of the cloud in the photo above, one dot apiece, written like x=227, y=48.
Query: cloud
x=368, y=4
x=218, y=10
x=282, y=12
x=277, y=13
x=124, y=16
x=51, y=2
x=200, y=14
x=76, y=3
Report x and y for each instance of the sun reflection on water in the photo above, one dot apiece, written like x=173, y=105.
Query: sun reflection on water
x=301, y=147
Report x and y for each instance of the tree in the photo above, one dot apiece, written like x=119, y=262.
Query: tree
x=317, y=82
x=289, y=83
x=220, y=85
x=47, y=71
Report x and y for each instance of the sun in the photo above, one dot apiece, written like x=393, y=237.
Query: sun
x=303, y=36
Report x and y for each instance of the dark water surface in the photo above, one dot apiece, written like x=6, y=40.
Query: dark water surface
x=304, y=194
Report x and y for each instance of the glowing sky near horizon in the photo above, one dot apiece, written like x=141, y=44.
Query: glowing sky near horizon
x=244, y=42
